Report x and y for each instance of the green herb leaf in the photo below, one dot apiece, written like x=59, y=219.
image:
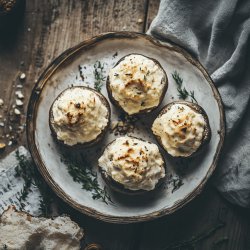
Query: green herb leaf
x=182, y=92
x=99, y=75
x=27, y=170
x=81, y=173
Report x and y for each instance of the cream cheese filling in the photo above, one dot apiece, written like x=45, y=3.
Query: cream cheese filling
x=134, y=163
x=79, y=116
x=180, y=130
x=137, y=83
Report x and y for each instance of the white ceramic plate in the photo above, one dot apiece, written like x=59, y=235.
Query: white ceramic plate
x=108, y=49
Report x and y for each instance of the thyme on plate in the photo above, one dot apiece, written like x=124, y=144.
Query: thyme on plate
x=81, y=173
x=182, y=92
x=174, y=182
x=177, y=183
x=27, y=170
x=99, y=75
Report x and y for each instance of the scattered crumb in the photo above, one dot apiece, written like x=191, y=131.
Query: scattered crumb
x=1, y=102
x=1, y=124
x=17, y=112
x=19, y=103
x=19, y=94
x=19, y=86
x=22, y=76
x=139, y=21
x=124, y=27
x=10, y=143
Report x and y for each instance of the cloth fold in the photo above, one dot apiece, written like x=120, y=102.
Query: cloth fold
x=217, y=33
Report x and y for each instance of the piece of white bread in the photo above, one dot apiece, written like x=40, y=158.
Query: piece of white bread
x=19, y=230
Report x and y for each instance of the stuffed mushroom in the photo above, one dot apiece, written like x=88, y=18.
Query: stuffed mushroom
x=79, y=117
x=137, y=84
x=182, y=128
x=132, y=166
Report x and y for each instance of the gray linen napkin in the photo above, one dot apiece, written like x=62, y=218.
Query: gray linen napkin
x=217, y=32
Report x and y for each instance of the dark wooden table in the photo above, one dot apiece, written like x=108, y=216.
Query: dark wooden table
x=47, y=29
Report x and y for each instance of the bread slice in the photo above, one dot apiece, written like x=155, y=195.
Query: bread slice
x=20, y=230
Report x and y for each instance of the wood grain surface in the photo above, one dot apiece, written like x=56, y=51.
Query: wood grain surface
x=47, y=29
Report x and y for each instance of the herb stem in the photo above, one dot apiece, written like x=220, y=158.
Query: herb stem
x=182, y=92
x=27, y=170
x=81, y=173
x=99, y=75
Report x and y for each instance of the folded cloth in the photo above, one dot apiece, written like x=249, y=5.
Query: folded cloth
x=217, y=32
x=11, y=186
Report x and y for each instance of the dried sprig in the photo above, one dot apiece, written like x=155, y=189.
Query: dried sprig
x=99, y=75
x=182, y=92
x=177, y=183
x=27, y=170
x=192, y=96
x=81, y=72
x=82, y=173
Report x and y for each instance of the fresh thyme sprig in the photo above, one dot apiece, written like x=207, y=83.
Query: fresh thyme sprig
x=81, y=173
x=98, y=74
x=183, y=93
x=27, y=170
x=192, y=96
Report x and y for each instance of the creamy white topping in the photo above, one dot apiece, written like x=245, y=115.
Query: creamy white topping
x=180, y=129
x=134, y=163
x=79, y=116
x=137, y=83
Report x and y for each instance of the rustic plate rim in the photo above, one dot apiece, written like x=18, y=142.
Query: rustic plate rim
x=32, y=111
